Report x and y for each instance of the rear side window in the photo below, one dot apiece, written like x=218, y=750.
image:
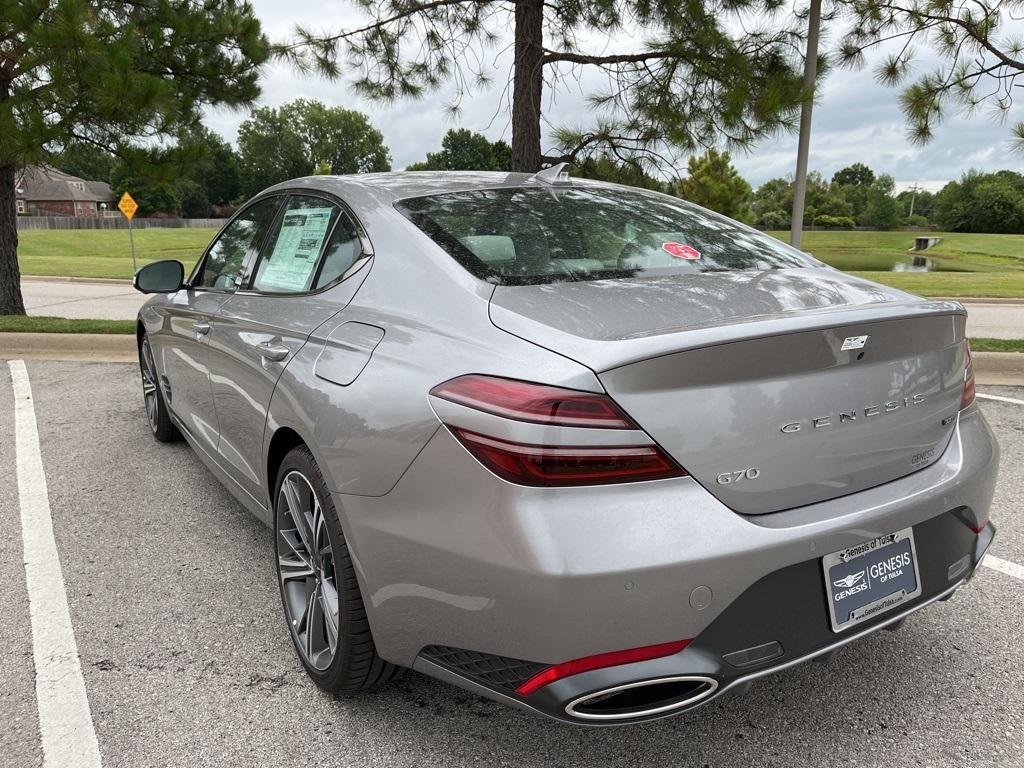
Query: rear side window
x=526, y=236
x=343, y=249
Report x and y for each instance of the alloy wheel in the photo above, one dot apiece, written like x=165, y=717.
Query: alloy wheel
x=305, y=565
x=149, y=384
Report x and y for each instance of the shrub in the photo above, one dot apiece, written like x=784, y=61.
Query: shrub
x=835, y=222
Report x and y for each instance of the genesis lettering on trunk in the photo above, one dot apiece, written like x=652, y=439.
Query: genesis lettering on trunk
x=844, y=417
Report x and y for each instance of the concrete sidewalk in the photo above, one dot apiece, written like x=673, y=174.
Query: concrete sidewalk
x=117, y=300
x=81, y=299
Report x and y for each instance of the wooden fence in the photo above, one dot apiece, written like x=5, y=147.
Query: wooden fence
x=113, y=222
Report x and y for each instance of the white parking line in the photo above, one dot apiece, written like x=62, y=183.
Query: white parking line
x=65, y=722
x=1000, y=398
x=1004, y=566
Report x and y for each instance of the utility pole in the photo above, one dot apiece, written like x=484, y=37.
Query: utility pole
x=803, y=147
x=913, y=197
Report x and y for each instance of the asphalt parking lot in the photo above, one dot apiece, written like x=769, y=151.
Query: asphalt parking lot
x=186, y=661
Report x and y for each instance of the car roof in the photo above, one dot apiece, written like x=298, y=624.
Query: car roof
x=397, y=185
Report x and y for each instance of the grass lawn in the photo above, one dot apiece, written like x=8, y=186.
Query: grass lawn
x=105, y=252
x=24, y=324
x=967, y=266
x=997, y=345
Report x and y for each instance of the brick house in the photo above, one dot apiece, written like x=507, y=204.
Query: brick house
x=43, y=191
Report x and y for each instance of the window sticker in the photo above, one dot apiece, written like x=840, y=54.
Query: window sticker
x=298, y=245
x=680, y=251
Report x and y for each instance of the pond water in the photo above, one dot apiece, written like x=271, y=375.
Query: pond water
x=916, y=264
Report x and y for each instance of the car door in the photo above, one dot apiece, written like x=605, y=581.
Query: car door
x=183, y=350
x=292, y=289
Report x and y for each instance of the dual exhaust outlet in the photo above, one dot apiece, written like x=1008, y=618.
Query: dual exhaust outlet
x=642, y=699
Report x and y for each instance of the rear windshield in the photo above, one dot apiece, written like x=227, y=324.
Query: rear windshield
x=545, y=235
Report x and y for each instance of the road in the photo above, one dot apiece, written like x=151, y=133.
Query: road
x=185, y=660
x=118, y=301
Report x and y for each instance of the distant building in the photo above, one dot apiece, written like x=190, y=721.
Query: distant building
x=43, y=191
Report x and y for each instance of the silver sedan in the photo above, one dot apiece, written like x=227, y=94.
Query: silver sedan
x=588, y=450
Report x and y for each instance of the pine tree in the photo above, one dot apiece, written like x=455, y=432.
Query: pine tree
x=115, y=75
x=703, y=72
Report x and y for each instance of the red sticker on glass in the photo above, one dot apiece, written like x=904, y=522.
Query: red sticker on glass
x=680, y=251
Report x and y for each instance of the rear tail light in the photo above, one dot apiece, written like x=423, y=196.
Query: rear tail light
x=600, y=661
x=550, y=466
x=523, y=401
x=557, y=464
x=969, y=387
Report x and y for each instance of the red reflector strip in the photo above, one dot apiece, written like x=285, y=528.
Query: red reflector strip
x=550, y=466
x=600, y=661
x=539, y=403
x=969, y=384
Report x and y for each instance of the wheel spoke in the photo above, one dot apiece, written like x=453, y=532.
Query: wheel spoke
x=298, y=513
x=295, y=567
x=329, y=607
x=314, y=623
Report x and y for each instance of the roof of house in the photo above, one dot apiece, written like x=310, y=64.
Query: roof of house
x=39, y=183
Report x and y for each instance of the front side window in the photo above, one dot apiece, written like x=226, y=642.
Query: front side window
x=225, y=259
x=289, y=258
x=532, y=235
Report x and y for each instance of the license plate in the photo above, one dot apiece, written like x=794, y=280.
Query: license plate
x=871, y=578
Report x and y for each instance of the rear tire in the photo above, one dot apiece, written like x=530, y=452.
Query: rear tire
x=319, y=593
x=159, y=418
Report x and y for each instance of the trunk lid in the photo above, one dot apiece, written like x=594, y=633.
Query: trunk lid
x=757, y=383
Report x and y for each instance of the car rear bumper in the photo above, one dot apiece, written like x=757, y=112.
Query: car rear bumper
x=481, y=582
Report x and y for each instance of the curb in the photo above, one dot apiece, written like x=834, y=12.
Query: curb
x=999, y=368
x=57, y=279
x=83, y=347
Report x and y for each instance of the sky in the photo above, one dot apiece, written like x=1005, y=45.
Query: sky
x=855, y=119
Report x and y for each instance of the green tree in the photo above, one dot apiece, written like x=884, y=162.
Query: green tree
x=464, y=150
x=982, y=202
x=714, y=183
x=883, y=211
x=277, y=144
x=695, y=76
x=631, y=172
x=853, y=184
x=151, y=185
x=212, y=164
x=856, y=175
x=772, y=204
x=916, y=202
x=86, y=161
x=111, y=73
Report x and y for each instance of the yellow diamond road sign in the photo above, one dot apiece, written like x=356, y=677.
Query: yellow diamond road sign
x=127, y=206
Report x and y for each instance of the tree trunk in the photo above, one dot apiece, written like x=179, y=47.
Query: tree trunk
x=11, y=302
x=527, y=82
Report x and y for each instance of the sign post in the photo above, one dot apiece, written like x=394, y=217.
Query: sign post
x=128, y=207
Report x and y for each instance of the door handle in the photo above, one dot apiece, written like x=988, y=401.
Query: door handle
x=272, y=352
x=201, y=327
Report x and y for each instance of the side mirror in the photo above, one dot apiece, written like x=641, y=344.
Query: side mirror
x=165, y=276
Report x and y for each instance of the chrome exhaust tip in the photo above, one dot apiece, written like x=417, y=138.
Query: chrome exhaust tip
x=644, y=698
